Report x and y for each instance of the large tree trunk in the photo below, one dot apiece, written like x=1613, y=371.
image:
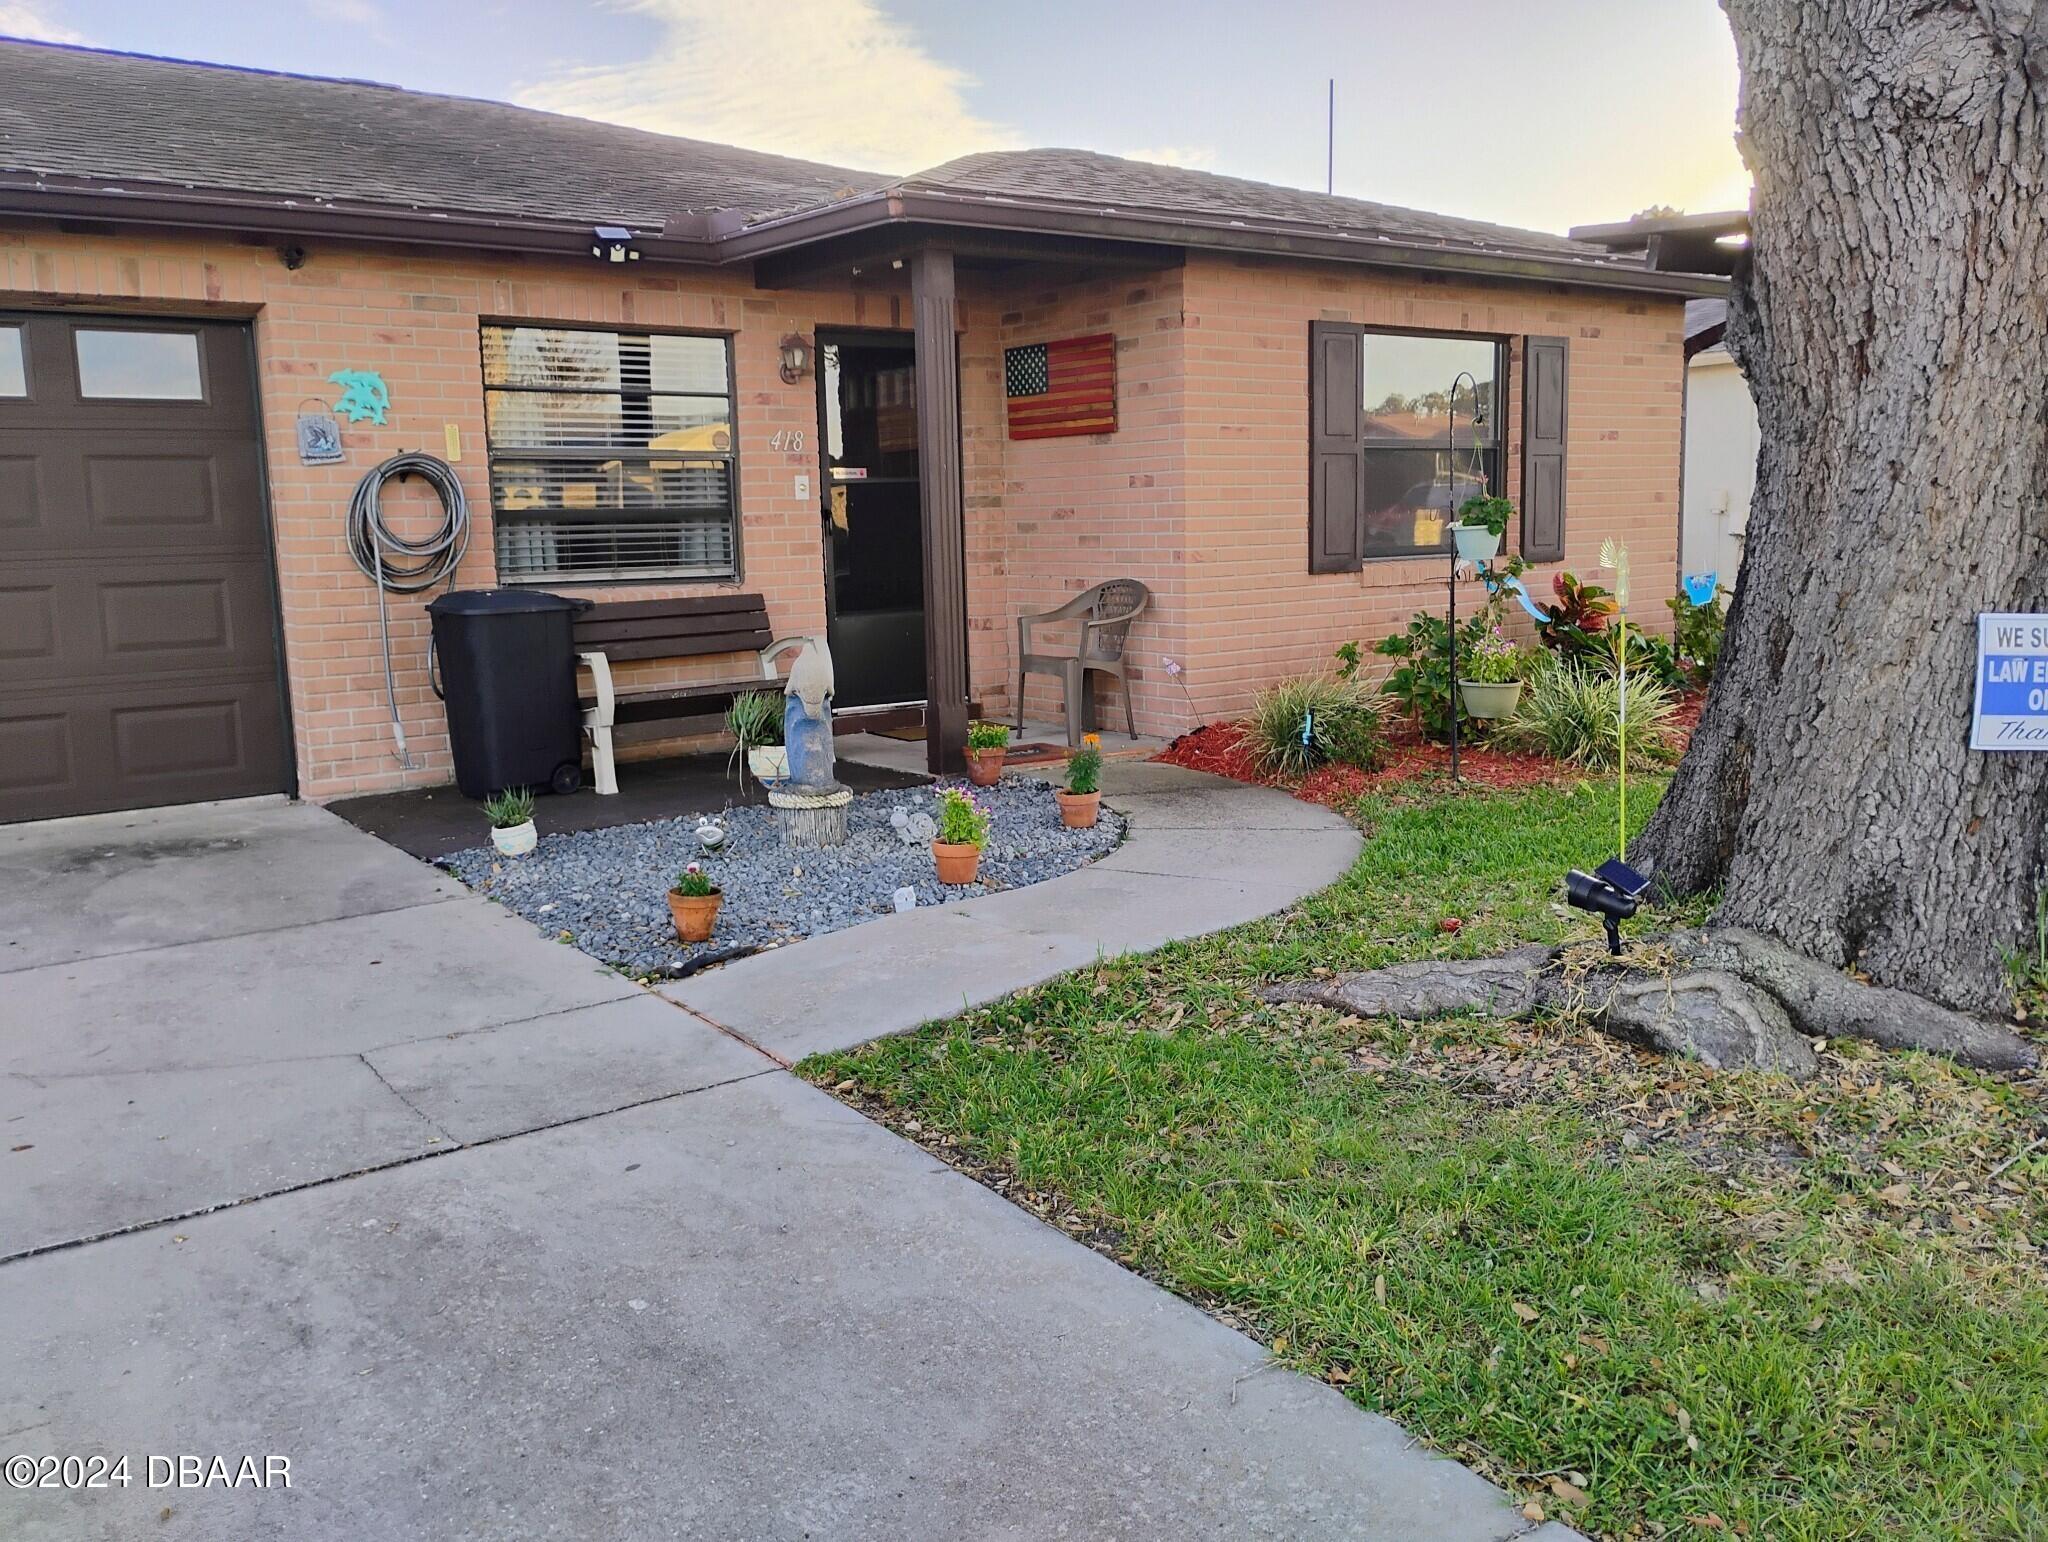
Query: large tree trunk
x=1892, y=320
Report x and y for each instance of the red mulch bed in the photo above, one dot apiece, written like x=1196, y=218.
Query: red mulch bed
x=1220, y=748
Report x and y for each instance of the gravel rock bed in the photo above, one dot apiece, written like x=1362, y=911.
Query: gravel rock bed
x=605, y=890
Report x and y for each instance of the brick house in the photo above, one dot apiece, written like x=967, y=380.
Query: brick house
x=189, y=253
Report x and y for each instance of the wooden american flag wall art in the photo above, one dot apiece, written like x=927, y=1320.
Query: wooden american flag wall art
x=1065, y=387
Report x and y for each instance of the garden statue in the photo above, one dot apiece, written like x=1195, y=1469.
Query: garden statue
x=811, y=804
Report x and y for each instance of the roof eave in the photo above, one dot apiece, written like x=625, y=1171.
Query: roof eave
x=723, y=238
x=923, y=207
x=28, y=195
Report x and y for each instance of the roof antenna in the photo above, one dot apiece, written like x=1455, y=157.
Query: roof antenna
x=1330, y=166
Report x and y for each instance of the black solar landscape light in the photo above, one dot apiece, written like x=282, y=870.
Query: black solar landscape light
x=1613, y=893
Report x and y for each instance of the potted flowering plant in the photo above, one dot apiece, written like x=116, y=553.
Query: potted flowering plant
x=694, y=902
x=1482, y=522
x=1081, y=799
x=963, y=831
x=511, y=815
x=987, y=744
x=1491, y=676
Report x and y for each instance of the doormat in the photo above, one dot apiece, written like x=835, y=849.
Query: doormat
x=1019, y=755
x=1035, y=754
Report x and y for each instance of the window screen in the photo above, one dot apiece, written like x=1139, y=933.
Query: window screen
x=611, y=454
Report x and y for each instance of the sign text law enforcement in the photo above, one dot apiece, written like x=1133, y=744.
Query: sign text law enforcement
x=2012, y=683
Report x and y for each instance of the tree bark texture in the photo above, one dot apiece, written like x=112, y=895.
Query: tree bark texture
x=1892, y=320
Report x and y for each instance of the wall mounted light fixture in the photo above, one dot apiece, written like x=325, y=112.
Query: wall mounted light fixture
x=796, y=358
x=613, y=243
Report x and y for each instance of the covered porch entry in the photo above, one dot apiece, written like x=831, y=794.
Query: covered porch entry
x=893, y=479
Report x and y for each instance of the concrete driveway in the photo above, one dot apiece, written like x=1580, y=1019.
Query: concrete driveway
x=310, y=1154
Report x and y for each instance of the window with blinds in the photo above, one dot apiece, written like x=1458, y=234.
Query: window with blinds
x=611, y=454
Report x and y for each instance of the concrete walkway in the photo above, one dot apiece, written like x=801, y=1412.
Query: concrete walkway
x=1202, y=854
x=310, y=1153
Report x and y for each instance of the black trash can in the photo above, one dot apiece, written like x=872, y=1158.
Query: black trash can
x=506, y=671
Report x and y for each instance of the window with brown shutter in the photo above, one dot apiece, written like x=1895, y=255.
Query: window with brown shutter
x=1545, y=389
x=1405, y=428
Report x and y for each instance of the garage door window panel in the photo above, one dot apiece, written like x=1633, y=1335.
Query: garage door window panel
x=136, y=366
x=13, y=363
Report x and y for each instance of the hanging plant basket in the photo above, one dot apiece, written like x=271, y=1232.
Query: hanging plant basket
x=1476, y=543
x=1490, y=699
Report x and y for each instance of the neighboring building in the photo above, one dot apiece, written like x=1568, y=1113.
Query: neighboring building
x=1720, y=449
x=1720, y=415
x=189, y=254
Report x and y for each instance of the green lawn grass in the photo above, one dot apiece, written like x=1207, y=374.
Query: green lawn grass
x=1649, y=1298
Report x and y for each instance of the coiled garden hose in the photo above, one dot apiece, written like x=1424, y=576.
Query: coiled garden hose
x=399, y=565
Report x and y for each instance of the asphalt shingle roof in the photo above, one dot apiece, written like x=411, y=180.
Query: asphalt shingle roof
x=122, y=118
x=1082, y=177
x=85, y=120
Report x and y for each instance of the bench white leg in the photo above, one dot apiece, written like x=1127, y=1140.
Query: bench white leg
x=604, y=769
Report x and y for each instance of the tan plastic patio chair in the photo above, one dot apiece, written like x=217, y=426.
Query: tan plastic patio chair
x=1110, y=608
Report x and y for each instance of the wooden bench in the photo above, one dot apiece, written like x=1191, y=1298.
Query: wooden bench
x=696, y=626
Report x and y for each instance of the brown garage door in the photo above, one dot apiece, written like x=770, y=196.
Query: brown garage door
x=138, y=622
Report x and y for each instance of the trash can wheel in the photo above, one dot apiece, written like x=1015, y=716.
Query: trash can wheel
x=568, y=777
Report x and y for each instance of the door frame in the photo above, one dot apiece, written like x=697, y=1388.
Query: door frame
x=904, y=338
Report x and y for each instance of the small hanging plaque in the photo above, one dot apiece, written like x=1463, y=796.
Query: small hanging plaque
x=319, y=439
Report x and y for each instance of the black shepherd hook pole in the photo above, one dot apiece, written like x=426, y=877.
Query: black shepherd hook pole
x=1451, y=519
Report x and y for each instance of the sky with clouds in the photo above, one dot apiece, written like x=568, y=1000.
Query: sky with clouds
x=1542, y=115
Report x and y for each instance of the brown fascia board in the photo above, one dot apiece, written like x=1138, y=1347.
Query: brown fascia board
x=938, y=211
x=726, y=238
x=161, y=206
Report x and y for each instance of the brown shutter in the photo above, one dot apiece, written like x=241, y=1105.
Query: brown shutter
x=1544, y=377
x=1336, y=425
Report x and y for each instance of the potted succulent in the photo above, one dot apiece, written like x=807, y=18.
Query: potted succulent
x=1490, y=676
x=963, y=831
x=987, y=744
x=694, y=902
x=1081, y=799
x=755, y=722
x=511, y=815
x=1482, y=523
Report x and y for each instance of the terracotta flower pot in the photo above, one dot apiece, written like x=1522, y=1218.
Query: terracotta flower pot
x=1078, y=809
x=985, y=767
x=695, y=914
x=957, y=864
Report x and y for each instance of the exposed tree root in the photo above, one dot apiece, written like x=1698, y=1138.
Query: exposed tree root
x=1729, y=998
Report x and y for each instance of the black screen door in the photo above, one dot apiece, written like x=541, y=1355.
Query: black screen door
x=874, y=543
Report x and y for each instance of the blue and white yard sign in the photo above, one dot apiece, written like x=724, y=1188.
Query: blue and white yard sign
x=2012, y=683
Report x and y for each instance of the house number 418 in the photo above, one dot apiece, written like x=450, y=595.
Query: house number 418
x=786, y=439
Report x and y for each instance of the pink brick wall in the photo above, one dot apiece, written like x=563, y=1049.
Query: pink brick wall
x=1050, y=517
x=415, y=318
x=1263, y=614
x=1201, y=493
